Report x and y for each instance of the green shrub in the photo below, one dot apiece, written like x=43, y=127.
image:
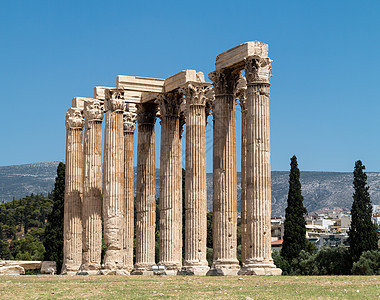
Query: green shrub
x=368, y=263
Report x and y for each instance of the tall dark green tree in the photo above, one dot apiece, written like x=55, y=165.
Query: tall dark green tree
x=362, y=235
x=54, y=228
x=295, y=225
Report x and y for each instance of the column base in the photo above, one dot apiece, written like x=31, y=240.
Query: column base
x=113, y=272
x=143, y=269
x=260, y=269
x=69, y=270
x=89, y=269
x=166, y=268
x=69, y=273
x=194, y=270
x=224, y=269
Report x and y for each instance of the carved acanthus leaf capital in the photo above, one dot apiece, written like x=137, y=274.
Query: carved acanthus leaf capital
x=129, y=121
x=195, y=94
x=258, y=69
x=74, y=118
x=224, y=81
x=93, y=110
x=114, y=100
x=170, y=104
x=146, y=113
x=241, y=93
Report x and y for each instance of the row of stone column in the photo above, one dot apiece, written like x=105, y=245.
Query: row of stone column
x=89, y=197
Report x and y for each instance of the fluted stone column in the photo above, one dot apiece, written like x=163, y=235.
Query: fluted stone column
x=145, y=190
x=195, y=262
x=129, y=129
x=258, y=177
x=170, y=254
x=72, y=233
x=224, y=174
x=92, y=188
x=113, y=184
x=241, y=94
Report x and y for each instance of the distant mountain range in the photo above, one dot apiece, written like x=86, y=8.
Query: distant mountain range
x=320, y=189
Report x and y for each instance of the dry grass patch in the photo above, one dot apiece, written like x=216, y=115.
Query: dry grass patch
x=186, y=287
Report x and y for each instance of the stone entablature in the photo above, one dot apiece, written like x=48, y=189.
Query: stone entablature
x=183, y=98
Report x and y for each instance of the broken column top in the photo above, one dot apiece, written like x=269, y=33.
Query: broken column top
x=147, y=89
x=99, y=92
x=181, y=78
x=140, y=84
x=78, y=102
x=234, y=58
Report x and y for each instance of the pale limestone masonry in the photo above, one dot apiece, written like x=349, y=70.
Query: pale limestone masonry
x=241, y=94
x=195, y=262
x=18, y=267
x=170, y=254
x=258, y=260
x=108, y=195
x=72, y=232
x=92, y=188
x=113, y=183
x=145, y=190
x=224, y=174
x=129, y=119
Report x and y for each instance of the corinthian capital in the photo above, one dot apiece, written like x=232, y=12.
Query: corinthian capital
x=93, y=110
x=114, y=100
x=196, y=93
x=129, y=121
x=74, y=118
x=241, y=93
x=224, y=81
x=258, y=69
x=169, y=104
x=146, y=113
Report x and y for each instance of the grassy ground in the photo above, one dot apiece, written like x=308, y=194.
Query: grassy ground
x=144, y=287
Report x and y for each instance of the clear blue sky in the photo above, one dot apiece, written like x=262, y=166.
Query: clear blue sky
x=325, y=93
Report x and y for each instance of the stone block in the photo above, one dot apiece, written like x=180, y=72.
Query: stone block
x=234, y=58
x=99, y=92
x=179, y=79
x=29, y=265
x=12, y=270
x=224, y=271
x=132, y=96
x=194, y=271
x=78, y=102
x=148, y=96
x=140, y=84
x=48, y=267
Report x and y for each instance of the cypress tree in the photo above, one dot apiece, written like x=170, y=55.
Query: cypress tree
x=362, y=235
x=294, y=226
x=53, y=241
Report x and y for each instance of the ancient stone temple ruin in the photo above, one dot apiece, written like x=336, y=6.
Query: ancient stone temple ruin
x=100, y=180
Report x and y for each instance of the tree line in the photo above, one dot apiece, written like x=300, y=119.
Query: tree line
x=298, y=256
x=31, y=228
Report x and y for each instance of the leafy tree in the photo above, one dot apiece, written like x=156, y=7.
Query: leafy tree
x=327, y=261
x=362, y=235
x=54, y=229
x=29, y=248
x=368, y=264
x=294, y=225
x=280, y=262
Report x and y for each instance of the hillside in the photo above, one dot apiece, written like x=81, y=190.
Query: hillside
x=21, y=180
x=320, y=189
